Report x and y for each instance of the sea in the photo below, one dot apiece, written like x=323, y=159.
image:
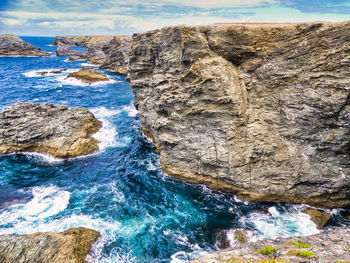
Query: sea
x=143, y=215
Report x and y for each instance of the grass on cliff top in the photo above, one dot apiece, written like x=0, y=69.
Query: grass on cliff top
x=267, y=250
x=10, y=36
x=303, y=253
x=300, y=244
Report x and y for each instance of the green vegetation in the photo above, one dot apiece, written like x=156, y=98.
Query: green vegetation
x=273, y=260
x=267, y=250
x=300, y=244
x=241, y=236
x=303, y=253
x=10, y=36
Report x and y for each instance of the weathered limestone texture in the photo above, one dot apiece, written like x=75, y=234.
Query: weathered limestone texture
x=45, y=128
x=70, y=246
x=261, y=110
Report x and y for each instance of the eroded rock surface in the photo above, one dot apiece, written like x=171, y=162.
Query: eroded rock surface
x=11, y=45
x=261, y=110
x=45, y=128
x=319, y=217
x=65, y=50
x=78, y=41
x=89, y=75
x=331, y=246
x=71, y=246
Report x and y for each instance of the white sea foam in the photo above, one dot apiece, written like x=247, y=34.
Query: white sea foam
x=131, y=110
x=281, y=224
x=88, y=64
x=46, y=202
x=107, y=135
x=37, y=72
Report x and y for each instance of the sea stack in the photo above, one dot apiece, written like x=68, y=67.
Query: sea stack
x=11, y=45
x=46, y=128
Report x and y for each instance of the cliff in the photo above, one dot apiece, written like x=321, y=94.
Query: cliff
x=110, y=52
x=70, y=246
x=260, y=110
x=45, y=128
x=11, y=45
x=331, y=246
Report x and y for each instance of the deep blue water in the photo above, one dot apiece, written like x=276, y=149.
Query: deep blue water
x=143, y=215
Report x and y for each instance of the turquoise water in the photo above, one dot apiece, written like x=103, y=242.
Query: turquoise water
x=143, y=215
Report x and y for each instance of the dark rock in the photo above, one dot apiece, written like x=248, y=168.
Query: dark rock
x=79, y=41
x=332, y=246
x=222, y=241
x=11, y=45
x=94, y=49
x=260, y=110
x=71, y=246
x=74, y=58
x=89, y=75
x=45, y=128
x=65, y=50
x=320, y=218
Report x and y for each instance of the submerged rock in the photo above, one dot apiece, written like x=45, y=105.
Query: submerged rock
x=45, y=128
x=332, y=246
x=11, y=45
x=89, y=75
x=56, y=71
x=260, y=110
x=320, y=218
x=65, y=50
x=70, y=246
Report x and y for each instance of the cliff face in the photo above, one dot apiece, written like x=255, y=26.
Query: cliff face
x=261, y=110
x=332, y=246
x=11, y=45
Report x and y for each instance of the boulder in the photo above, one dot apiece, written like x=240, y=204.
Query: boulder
x=46, y=128
x=11, y=45
x=70, y=246
x=319, y=217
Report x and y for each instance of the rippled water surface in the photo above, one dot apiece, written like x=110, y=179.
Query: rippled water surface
x=142, y=214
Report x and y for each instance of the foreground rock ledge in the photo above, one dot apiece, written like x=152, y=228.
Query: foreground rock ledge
x=260, y=110
x=332, y=246
x=11, y=45
x=45, y=128
x=71, y=246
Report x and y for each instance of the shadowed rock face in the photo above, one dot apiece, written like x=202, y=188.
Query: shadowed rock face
x=89, y=75
x=71, y=246
x=45, y=128
x=11, y=45
x=64, y=50
x=261, y=110
x=79, y=41
x=332, y=246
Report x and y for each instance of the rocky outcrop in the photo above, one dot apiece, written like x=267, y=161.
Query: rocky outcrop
x=260, y=110
x=45, y=128
x=11, y=45
x=332, y=246
x=64, y=50
x=117, y=54
x=55, y=71
x=88, y=75
x=320, y=218
x=70, y=246
x=110, y=52
x=78, y=41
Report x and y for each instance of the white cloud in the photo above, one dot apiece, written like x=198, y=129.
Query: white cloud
x=11, y=22
x=223, y=3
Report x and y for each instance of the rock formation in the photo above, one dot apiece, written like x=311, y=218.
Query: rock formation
x=70, y=246
x=78, y=41
x=117, y=54
x=260, y=110
x=332, y=246
x=89, y=75
x=45, y=128
x=319, y=217
x=110, y=52
x=64, y=50
x=11, y=45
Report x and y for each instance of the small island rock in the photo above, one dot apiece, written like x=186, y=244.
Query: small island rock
x=11, y=45
x=70, y=246
x=45, y=128
x=89, y=75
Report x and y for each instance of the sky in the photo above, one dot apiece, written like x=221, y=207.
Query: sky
x=120, y=17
